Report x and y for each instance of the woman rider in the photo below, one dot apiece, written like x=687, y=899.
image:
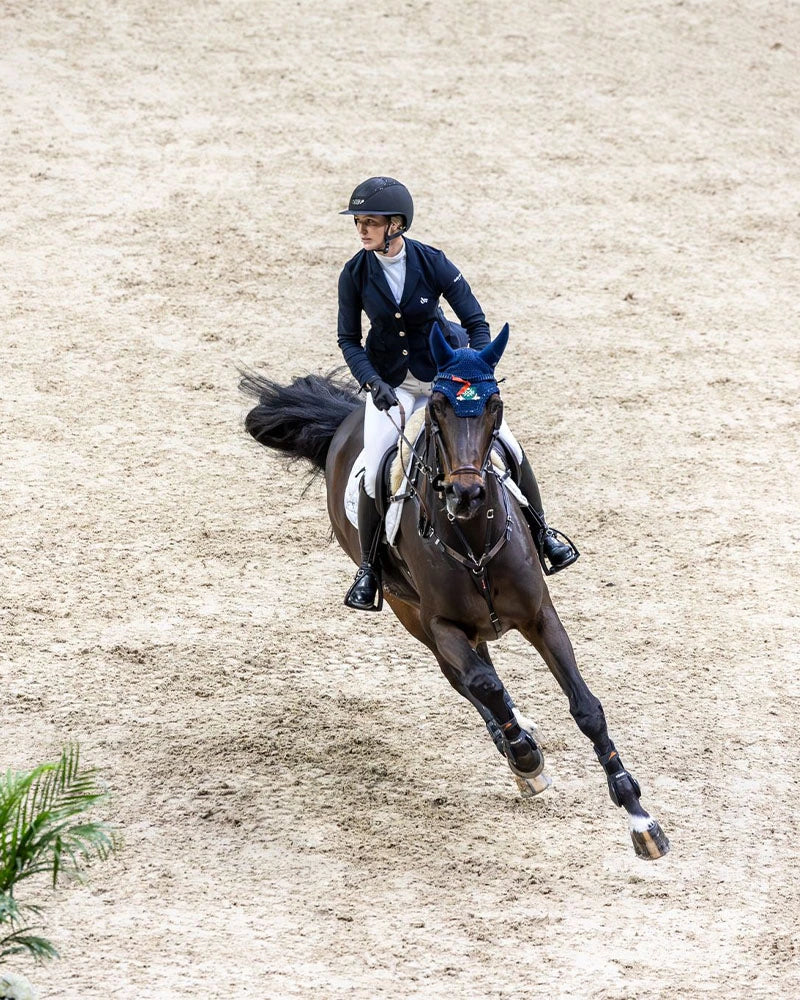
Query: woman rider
x=397, y=282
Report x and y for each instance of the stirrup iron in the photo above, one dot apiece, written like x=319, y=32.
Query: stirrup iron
x=351, y=597
x=548, y=567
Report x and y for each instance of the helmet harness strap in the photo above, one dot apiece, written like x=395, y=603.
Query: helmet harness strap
x=387, y=238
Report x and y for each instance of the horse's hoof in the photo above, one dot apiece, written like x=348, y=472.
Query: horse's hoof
x=650, y=843
x=528, y=787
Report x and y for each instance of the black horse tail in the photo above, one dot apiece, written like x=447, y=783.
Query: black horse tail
x=299, y=419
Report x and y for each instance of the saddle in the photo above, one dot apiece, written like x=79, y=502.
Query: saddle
x=392, y=471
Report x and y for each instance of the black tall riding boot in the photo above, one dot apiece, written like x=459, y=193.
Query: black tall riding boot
x=555, y=550
x=366, y=593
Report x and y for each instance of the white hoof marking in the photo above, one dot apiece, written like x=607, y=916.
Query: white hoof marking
x=640, y=824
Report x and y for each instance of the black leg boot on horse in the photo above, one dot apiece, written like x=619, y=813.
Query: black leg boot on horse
x=555, y=550
x=366, y=593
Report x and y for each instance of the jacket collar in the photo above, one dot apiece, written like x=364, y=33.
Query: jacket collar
x=413, y=274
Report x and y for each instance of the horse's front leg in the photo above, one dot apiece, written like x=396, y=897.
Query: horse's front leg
x=549, y=637
x=476, y=679
x=526, y=724
x=410, y=618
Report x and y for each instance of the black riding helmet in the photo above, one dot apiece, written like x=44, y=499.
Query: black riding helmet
x=382, y=196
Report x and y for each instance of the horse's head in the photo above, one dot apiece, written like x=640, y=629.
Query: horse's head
x=463, y=418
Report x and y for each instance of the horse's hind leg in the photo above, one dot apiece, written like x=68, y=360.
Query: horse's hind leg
x=549, y=637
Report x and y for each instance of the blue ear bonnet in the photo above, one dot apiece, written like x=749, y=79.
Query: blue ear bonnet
x=465, y=376
x=467, y=381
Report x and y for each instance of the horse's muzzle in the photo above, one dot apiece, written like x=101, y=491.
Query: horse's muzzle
x=465, y=497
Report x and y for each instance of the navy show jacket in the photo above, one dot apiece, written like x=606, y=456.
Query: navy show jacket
x=397, y=341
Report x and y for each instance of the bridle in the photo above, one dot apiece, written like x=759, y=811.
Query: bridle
x=435, y=467
x=440, y=468
x=434, y=433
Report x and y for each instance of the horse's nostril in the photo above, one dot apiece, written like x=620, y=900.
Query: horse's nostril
x=469, y=492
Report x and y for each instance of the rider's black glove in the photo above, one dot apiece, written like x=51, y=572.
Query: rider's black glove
x=382, y=394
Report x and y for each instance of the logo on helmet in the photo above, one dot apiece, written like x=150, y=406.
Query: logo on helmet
x=359, y=201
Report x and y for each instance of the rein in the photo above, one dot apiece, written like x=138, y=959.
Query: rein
x=401, y=431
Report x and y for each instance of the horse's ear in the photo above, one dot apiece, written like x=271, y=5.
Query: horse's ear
x=442, y=352
x=492, y=353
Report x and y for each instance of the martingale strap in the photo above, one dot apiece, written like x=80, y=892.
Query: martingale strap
x=478, y=567
x=490, y=551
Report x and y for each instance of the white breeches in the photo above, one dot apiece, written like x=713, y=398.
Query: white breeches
x=380, y=432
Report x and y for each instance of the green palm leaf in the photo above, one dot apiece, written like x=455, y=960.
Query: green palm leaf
x=20, y=941
x=43, y=829
x=38, y=827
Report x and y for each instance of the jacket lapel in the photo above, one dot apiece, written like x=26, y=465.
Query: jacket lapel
x=378, y=279
x=413, y=272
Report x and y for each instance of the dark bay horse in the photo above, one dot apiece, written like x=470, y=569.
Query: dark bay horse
x=463, y=568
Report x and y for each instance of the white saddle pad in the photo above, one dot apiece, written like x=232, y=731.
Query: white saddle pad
x=392, y=522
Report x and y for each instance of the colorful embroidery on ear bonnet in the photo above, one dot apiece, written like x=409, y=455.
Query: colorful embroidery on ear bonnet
x=464, y=376
x=467, y=383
